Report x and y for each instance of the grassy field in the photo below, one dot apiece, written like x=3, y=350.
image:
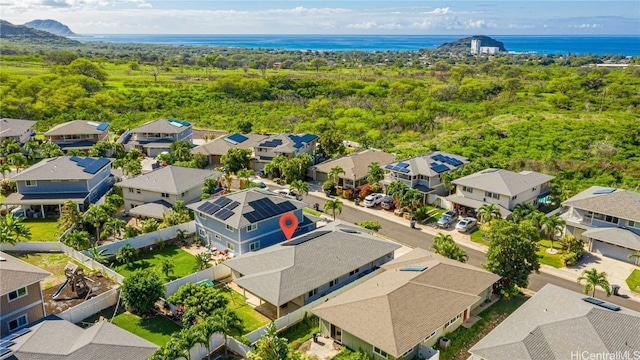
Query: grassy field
x=184, y=263
x=297, y=334
x=251, y=319
x=477, y=236
x=554, y=260
x=42, y=229
x=634, y=281
x=51, y=262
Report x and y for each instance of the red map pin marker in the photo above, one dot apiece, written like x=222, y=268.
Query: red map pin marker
x=288, y=224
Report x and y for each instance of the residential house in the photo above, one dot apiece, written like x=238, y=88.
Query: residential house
x=607, y=219
x=155, y=137
x=405, y=310
x=45, y=186
x=53, y=338
x=557, y=323
x=219, y=146
x=424, y=173
x=504, y=188
x=297, y=272
x=287, y=145
x=19, y=130
x=247, y=220
x=355, y=166
x=163, y=187
x=78, y=134
x=20, y=294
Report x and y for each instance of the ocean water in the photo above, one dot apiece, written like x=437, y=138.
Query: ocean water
x=600, y=45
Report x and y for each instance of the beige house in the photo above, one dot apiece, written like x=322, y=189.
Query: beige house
x=20, y=294
x=504, y=188
x=219, y=146
x=78, y=134
x=287, y=145
x=19, y=130
x=404, y=311
x=355, y=166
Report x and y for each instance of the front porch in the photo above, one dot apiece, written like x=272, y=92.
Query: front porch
x=41, y=206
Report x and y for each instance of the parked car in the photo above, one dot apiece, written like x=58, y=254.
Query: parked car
x=259, y=183
x=288, y=193
x=467, y=224
x=387, y=202
x=373, y=199
x=447, y=219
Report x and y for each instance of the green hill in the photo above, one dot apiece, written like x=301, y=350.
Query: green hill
x=52, y=26
x=465, y=44
x=19, y=33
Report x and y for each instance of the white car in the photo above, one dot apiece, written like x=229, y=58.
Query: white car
x=288, y=193
x=373, y=200
x=466, y=225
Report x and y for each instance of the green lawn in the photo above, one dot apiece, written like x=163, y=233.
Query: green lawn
x=477, y=236
x=42, y=229
x=300, y=332
x=308, y=211
x=157, y=329
x=2, y=197
x=251, y=319
x=51, y=262
x=554, y=260
x=184, y=263
x=462, y=337
x=634, y=281
x=434, y=215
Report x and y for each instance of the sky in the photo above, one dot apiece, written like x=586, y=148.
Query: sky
x=502, y=17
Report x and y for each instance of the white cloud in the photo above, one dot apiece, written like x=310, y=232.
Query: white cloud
x=586, y=26
x=438, y=11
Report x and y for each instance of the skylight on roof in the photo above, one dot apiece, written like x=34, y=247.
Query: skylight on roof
x=604, y=191
x=417, y=268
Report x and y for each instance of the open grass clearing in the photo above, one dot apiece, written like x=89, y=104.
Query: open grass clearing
x=301, y=331
x=477, y=236
x=554, y=260
x=42, y=229
x=251, y=319
x=183, y=262
x=634, y=281
x=51, y=262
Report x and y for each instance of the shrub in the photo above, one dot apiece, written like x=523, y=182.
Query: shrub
x=365, y=191
x=329, y=186
x=347, y=194
x=141, y=290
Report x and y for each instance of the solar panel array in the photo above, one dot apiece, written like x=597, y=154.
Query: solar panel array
x=447, y=159
x=601, y=303
x=103, y=126
x=272, y=143
x=96, y=165
x=236, y=138
x=304, y=238
x=400, y=167
x=6, y=342
x=299, y=141
x=439, y=168
x=266, y=208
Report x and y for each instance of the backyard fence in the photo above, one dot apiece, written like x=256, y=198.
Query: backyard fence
x=91, y=306
x=151, y=238
x=215, y=342
x=297, y=315
x=33, y=246
x=213, y=273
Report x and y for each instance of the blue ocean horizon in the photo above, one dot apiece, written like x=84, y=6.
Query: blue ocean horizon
x=628, y=45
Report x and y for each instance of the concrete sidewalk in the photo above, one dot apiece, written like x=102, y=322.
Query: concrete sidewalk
x=617, y=271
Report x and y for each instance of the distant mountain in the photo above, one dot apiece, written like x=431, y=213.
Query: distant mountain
x=13, y=32
x=465, y=44
x=51, y=26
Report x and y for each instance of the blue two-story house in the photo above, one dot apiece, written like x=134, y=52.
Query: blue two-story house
x=156, y=136
x=44, y=187
x=607, y=220
x=247, y=220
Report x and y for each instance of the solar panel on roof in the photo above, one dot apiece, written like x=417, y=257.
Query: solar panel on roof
x=103, y=126
x=233, y=205
x=214, y=208
x=95, y=166
x=413, y=268
x=6, y=343
x=222, y=201
x=389, y=166
x=4, y=351
x=604, y=191
x=403, y=164
x=75, y=158
x=86, y=161
x=205, y=207
x=404, y=170
x=601, y=303
x=251, y=217
x=224, y=214
x=238, y=138
x=304, y=238
x=17, y=334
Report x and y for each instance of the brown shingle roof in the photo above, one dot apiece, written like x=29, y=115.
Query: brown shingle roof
x=620, y=203
x=15, y=273
x=356, y=163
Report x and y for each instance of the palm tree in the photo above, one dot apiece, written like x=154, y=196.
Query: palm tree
x=201, y=261
x=184, y=341
x=149, y=225
x=226, y=320
x=553, y=225
x=593, y=279
x=451, y=250
x=411, y=198
x=244, y=174
x=114, y=226
x=332, y=207
x=167, y=267
x=488, y=212
x=77, y=239
x=204, y=330
x=334, y=173
x=18, y=160
x=4, y=169
x=634, y=255
x=99, y=255
x=12, y=229
x=537, y=219
x=375, y=174
x=96, y=216
x=397, y=189
x=301, y=187
x=521, y=211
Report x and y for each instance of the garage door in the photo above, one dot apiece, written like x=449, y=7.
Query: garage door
x=612, y=251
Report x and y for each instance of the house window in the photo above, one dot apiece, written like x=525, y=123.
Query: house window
x=201, y=215
x=634, y=224
x=202, y=232
x=31, y=183
x=333, y=283
x=254, y=246
x=606, y=218
x=493, y=195
x=137, y=191
x=380, y=352
x=217, y=236
x=230, y=228
x=17, y=294
x=164, y=195
x=231, y=246
x=515, y=197
x=353, y=272
x=131, y=190
x=467, y=189
x=18, y=322
x=407, y=353
x=313, y=292
x=453, y=320
x=252, y=227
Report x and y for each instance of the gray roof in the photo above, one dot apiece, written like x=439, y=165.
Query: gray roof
x=624, y=204
x=220, y=145
x=165, y=126
x=156, y=210
x=16, y=273
x=356, y=163
x=54, y=338
x=75, y=127
x=504, y=182
x=288, y=144
x=14, y=127
x=397, y=310
x=60, y=168
x=555, y=323
x=170, y=179
x=244, y=197
x=281, y=273
x=421, y=165
x=476, y=204
x=616, y=236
